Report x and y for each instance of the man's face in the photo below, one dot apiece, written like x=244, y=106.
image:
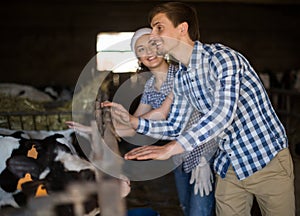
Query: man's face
x=164, y=32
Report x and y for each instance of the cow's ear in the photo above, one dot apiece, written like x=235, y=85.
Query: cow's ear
x=26, y=143
x=18, y=134
x=53, y=137
x=19, y=165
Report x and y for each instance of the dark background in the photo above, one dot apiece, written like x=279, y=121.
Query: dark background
x=49, y=42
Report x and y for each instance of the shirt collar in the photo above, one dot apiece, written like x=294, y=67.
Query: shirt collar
x=194, y=59
x=168, y=81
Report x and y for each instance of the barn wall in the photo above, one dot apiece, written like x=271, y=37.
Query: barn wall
x=50, y=42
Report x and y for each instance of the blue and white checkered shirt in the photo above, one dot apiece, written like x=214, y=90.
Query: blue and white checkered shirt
x=221, y=83
x=155, y=98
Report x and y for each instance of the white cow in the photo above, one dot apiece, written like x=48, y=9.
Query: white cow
x=24, y=91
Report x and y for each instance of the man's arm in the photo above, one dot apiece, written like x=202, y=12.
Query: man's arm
x=166, y=130
x=160, y=113
x=145, y=111
x=126, y=130
x=176, y=122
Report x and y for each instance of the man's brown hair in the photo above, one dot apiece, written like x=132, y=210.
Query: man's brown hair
x=177, y=13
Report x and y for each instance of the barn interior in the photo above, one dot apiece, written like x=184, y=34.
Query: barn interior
x=52, y=48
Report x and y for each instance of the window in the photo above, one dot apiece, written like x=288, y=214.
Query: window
x=114, y=52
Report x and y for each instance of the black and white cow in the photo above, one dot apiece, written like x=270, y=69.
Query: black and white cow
x=55, y=166
x=15, y=162
x=8, y=182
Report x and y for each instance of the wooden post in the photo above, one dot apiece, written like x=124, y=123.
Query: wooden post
x=104, y=142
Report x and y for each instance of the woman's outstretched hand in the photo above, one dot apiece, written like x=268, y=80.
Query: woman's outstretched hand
x=79, y=127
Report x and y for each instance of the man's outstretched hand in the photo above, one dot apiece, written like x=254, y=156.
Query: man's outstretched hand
x=155, y=152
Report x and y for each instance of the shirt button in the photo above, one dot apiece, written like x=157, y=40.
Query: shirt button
x=192, y=80
x=229, y=155
x=198, y=98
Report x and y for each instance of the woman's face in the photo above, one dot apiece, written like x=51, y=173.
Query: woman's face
x=146, y=51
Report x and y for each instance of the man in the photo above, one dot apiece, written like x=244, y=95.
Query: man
x=253, y=157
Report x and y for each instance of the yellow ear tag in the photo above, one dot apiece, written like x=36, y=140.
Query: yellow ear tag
x=41, y=191
x=26, y=178
x=32, y=152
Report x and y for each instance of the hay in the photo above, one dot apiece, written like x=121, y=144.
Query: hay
x=24, y=114
x=34, y=115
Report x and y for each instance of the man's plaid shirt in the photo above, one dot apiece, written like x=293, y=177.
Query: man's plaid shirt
x=221, y=83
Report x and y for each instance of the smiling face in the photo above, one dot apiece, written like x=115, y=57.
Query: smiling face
x=146, y=51
x=164, y=29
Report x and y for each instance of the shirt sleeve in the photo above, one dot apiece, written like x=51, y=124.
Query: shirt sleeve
x=176, y=122
x=229, y=70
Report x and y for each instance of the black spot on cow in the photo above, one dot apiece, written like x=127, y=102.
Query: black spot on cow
x=8, y=181
x=19, y=165
x=59, y=178
x=20, y=198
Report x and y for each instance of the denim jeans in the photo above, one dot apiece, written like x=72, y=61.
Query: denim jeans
x=193, y=205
